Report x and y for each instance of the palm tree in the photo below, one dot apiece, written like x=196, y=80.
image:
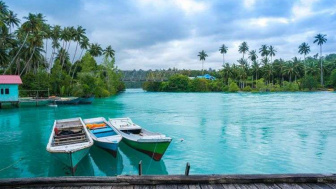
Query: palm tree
x=3, y=8
x=202, y=55
x=243, y=48
x=11, y=20
x=320, y=39
x=227, y=72
x=289, y=70
x=223, y=50
x=271, y=52
x=253, y=55
x=304, y=49
x=264, y=50
x=96, y=50
x=79, y=34
x=109, y=52
x=84, y=45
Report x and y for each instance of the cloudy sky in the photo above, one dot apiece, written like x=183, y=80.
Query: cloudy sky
x=156, y=34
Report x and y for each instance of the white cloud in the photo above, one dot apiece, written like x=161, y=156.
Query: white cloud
x=249, y=4
x=302, y=9
x=264, y=22
x=191, y=6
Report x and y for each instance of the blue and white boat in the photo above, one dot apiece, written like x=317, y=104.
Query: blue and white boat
x=69, y=141
x=103, y=134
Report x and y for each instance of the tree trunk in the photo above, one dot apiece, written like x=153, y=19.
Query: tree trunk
x=31, y=56
x=73, y=59
x=16, y=54
x=304, y=62
x=202, y=67
x=321, y=65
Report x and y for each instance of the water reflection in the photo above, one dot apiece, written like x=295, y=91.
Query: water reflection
x=105, y=162
x=84, y=168
x=149, y=166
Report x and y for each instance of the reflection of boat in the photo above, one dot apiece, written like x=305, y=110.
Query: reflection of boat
x=107, y=165
x=152, y=144
x=67, y=100
x=86, y=100
x=149, y=166
x=103, y=134
x=85, y=168
x=69, y=141
x=29, y=101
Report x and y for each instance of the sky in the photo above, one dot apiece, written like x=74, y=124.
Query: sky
x=161, y=34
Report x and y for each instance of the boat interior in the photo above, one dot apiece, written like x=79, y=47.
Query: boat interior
x=100, y=129
x=69, y=133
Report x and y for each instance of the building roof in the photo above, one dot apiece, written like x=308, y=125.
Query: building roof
x=10, y=79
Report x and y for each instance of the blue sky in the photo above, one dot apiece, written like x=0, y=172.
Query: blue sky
x=157, y=34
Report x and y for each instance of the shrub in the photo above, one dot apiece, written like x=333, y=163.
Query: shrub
x=178, y=83
x=290, y=86
x=309, y=82
x=198, y=85
x=247, y=89
x=233, y=87
x=260, y=85
x=332, y=79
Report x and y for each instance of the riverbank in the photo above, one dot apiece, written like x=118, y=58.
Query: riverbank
x=182, y=83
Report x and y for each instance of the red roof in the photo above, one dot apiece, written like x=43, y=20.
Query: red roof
x=10, y=79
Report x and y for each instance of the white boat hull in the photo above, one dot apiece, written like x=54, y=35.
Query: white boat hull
x=73, y=158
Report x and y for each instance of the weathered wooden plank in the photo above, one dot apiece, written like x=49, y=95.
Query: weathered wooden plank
x=289, y=186
x=229, y=186
x=250, y=186
x=194, y=186
x=333, y=185
x=304, y=186
x=319, y=186
x=182, y=186
x=168, y=186
x=144, y=187
x=216, y=186
x=261, y=186
x=240, y=186
x=123, y=187
x=205, y=186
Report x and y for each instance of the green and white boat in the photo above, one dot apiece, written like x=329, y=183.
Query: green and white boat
x=152, y=144
x=69, y=141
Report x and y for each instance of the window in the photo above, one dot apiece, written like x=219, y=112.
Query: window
x=1, y=91
x=6, y=91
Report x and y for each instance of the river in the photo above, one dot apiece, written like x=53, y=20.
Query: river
x=217, y=133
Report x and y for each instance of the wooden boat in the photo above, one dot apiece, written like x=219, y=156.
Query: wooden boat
x=69, y=141
x=67, y=100
x=86, y=100
x=29, y=101
x=152, y=144
x=103, y=134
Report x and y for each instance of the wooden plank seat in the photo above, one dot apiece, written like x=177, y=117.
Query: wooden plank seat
x=69, y=135
x=70, y=142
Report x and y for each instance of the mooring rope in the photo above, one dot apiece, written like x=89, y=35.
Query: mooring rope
x=151, y=158
x=11, y=164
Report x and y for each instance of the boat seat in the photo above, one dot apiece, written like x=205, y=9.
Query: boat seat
x=101, y=130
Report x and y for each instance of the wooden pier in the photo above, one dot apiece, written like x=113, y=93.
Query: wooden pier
x=298, y=181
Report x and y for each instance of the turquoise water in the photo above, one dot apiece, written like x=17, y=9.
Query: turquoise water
x=222, y=134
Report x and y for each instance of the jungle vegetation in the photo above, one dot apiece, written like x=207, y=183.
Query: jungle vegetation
x=39, y=53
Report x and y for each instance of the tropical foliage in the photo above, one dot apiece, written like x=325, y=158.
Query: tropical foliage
x=40, y=54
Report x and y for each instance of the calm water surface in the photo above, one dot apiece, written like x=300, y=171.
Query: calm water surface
x=223, y=134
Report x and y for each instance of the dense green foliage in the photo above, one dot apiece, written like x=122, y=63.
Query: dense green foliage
x=24, y=52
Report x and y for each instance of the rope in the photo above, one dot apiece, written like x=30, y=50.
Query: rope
x=152, y=157
x=11, y=164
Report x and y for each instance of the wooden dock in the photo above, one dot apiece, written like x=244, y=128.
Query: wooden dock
x=297, y=181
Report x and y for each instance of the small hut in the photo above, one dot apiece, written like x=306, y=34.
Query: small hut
x=9, y=89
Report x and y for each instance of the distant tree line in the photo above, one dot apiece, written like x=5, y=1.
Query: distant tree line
x=24, y=51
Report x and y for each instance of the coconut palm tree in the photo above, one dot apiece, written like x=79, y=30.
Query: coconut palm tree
x=320, y=39
x=304, y=49
x=109, y=52
x=223, y=50
x=11, y=20
x=253, y=55
x=227, y=72
x=84, y=45
x=289, y=70
x=264, y=50
x=202, y=55
x=95, y=50
x=3, y=8
x=78, y=35
x=271, y=52
x=243, y=48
